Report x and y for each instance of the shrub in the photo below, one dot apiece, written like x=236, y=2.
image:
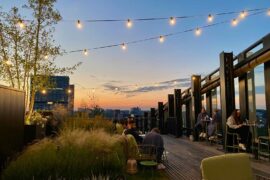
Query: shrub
x=97, y=122
x=75, y=154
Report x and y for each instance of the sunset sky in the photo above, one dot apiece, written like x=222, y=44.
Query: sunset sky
x=146, y=72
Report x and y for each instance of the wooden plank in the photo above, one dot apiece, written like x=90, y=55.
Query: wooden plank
x=184, y=158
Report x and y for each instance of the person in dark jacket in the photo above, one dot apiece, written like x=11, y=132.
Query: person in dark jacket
x=154, y=138
x=131, y=129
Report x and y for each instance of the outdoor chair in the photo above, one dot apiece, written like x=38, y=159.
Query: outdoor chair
x=229, y=166
x=231, y=141
x=264, y=146
x=148, y=157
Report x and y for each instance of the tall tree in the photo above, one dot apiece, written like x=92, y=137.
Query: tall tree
x=28, y=49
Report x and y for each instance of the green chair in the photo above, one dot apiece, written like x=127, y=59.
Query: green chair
x=227, y=167
x=235, y=141
x=148, y=157
x=264, y=146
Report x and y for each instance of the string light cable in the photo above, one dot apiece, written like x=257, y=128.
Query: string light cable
x=161, y=38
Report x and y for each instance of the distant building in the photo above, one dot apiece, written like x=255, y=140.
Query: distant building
x=116, y=114
x=136, y=111
x=61, y=93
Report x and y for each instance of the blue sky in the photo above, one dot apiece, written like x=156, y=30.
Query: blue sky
x=151, y=62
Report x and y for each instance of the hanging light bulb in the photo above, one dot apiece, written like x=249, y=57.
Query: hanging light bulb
x=8, y=63
x=268, y=12
x=43, y=91
x=69, y=91
x=161, y=39
x=46, y=57
x=210, y=18
x=243, y=14
x=172, y=21
x=85, y=52
x=129, y=23
x=198, y=31
x=79, y=24
x=124, y=46
x=234, y=22
x=21, y=24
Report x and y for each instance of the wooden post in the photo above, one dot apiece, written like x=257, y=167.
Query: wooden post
x=178, y=112
x=196, y=101
x=161, y=117
x=267, y=89
x=243, y=92
x=227, y=95
x=153, y=118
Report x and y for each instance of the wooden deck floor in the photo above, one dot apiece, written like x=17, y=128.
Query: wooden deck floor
x=184, y=158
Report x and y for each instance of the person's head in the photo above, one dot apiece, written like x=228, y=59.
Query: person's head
x=124, y=123
x=203, y=110
x=156, y=130
x=236, y=113
x=131, y=123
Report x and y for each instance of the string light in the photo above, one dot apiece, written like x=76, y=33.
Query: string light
x=123, y=46
x=69, y=91
x=161, y=39
x=21, y=24
x=46, y=57
x=43, y=91
x=116, y=89
x=85, y=52
x=210, y=18
x=129, y=23
x=243, y=14
x=234, y=22
x=198, y=31
x=8, y=63
x=172, y=21
x=268, y=12
x=79, y=24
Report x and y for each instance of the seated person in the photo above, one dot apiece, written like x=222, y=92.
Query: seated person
x=131, y=129
x=154, y=138
x=212, y=126
x=236, y=126
x=200, y=125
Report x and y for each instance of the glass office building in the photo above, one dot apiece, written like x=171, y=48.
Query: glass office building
x=60, y=93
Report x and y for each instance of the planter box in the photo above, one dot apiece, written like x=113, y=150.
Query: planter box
x=33, y=132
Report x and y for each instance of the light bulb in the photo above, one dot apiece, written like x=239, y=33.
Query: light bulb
x=268, y=12
x=129, y=23
x=43, y=91
x=8, y=63
x=210, y=18
x=172, y=21
x=46, y=57
x=116, y=89
x=198, y=32
x=79, y=24
x=124, y=46
x=243, y=14
x=161, y=39
x=69, y=91
x=85, y=52
x=234, y=22
x=21, y=24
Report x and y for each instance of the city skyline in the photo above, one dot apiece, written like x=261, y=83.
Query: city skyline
x=145, y=73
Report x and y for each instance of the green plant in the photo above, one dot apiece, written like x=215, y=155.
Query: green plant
x=75, y=154
x=97, y=122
